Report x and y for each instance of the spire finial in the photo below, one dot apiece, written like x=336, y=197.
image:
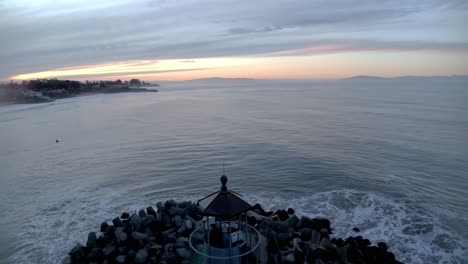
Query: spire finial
x=224, y=180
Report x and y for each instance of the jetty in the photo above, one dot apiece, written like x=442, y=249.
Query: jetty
x=223, y=227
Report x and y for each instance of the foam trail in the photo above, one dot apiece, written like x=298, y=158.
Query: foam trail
x=412, y=235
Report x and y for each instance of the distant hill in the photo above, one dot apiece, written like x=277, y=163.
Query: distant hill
x=220, y=79
x=364, y=78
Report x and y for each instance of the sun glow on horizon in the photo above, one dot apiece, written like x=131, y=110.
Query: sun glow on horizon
x=278, y=67
x=141, y=67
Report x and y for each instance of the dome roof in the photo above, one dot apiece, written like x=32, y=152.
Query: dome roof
x=223, y=203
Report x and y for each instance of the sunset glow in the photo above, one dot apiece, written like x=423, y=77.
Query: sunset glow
x=326, y=66
x=180, y=40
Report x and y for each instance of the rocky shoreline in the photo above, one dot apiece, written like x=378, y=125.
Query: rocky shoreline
x=161, y=235
x=44, y=91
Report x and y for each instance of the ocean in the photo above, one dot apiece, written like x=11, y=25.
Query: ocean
x=390, y=158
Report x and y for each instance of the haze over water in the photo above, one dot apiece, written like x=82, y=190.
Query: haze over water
x=389, y=158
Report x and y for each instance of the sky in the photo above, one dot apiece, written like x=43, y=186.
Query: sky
x=189, y=39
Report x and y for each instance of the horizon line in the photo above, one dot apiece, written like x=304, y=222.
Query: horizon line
x=249, y=78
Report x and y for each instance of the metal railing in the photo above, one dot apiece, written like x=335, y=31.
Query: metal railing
x=202, y=247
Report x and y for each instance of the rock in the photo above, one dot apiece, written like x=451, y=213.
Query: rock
x=131, y=254
x=302, y=246
x=323, y=232
x=184, y=204
x=154, y=250
x=315, y=238
x=292, y=221
x=295, y=234
x=168, y=231
x=342, y=253
x=135, y=222
x=367, y=242
x=122, y=250
x=141, y=256
x=282, y=236
x=157, y=246
x=168, y=257
x=136, y=244
x=102, y=241
x=191, y=209
x=148, y=220
x=142, y=213
x=181, y=230
x=157, y=225
x=184, y=253
x=303, y=222
x=160, y=207
x=319, y=261
x=188, y=224
x=181, y=242
x=320, y=223
x=121, y=259
x=171, y=237
x=117, y=222
x=259, y=208
x=91, y=243
x=77, y=253
x=382, y=245
x=161, y=237
x=165, y=219
x=66, y=260
x=139, y=236
x=125, y=215
x=257, y=217
x=282, y=215
x=151, y=211
x=169, y=204
x=173, y=211
x=110, y=232
x=104, y=226
x=177, y=220
x=280, y=226
x=95, y=254
x=390, y=257
x=120, y=235
x=198, y=236
x=147, y=230
x=306, y=234
x=169, y=247
x=338, y=242
x=289, y=258
x=109, y=251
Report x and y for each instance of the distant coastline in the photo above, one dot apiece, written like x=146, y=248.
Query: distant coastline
x=367, y=78
x=356, y=78
x=48, y=90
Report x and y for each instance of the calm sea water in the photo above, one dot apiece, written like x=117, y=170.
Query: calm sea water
x=389, y=158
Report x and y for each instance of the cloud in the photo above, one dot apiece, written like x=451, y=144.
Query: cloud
x=117, y=68
x=45, y=34
x=240, y=30
x=104, y=75
x=344, y=46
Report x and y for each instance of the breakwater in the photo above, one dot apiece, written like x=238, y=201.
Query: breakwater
x=162, y=235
